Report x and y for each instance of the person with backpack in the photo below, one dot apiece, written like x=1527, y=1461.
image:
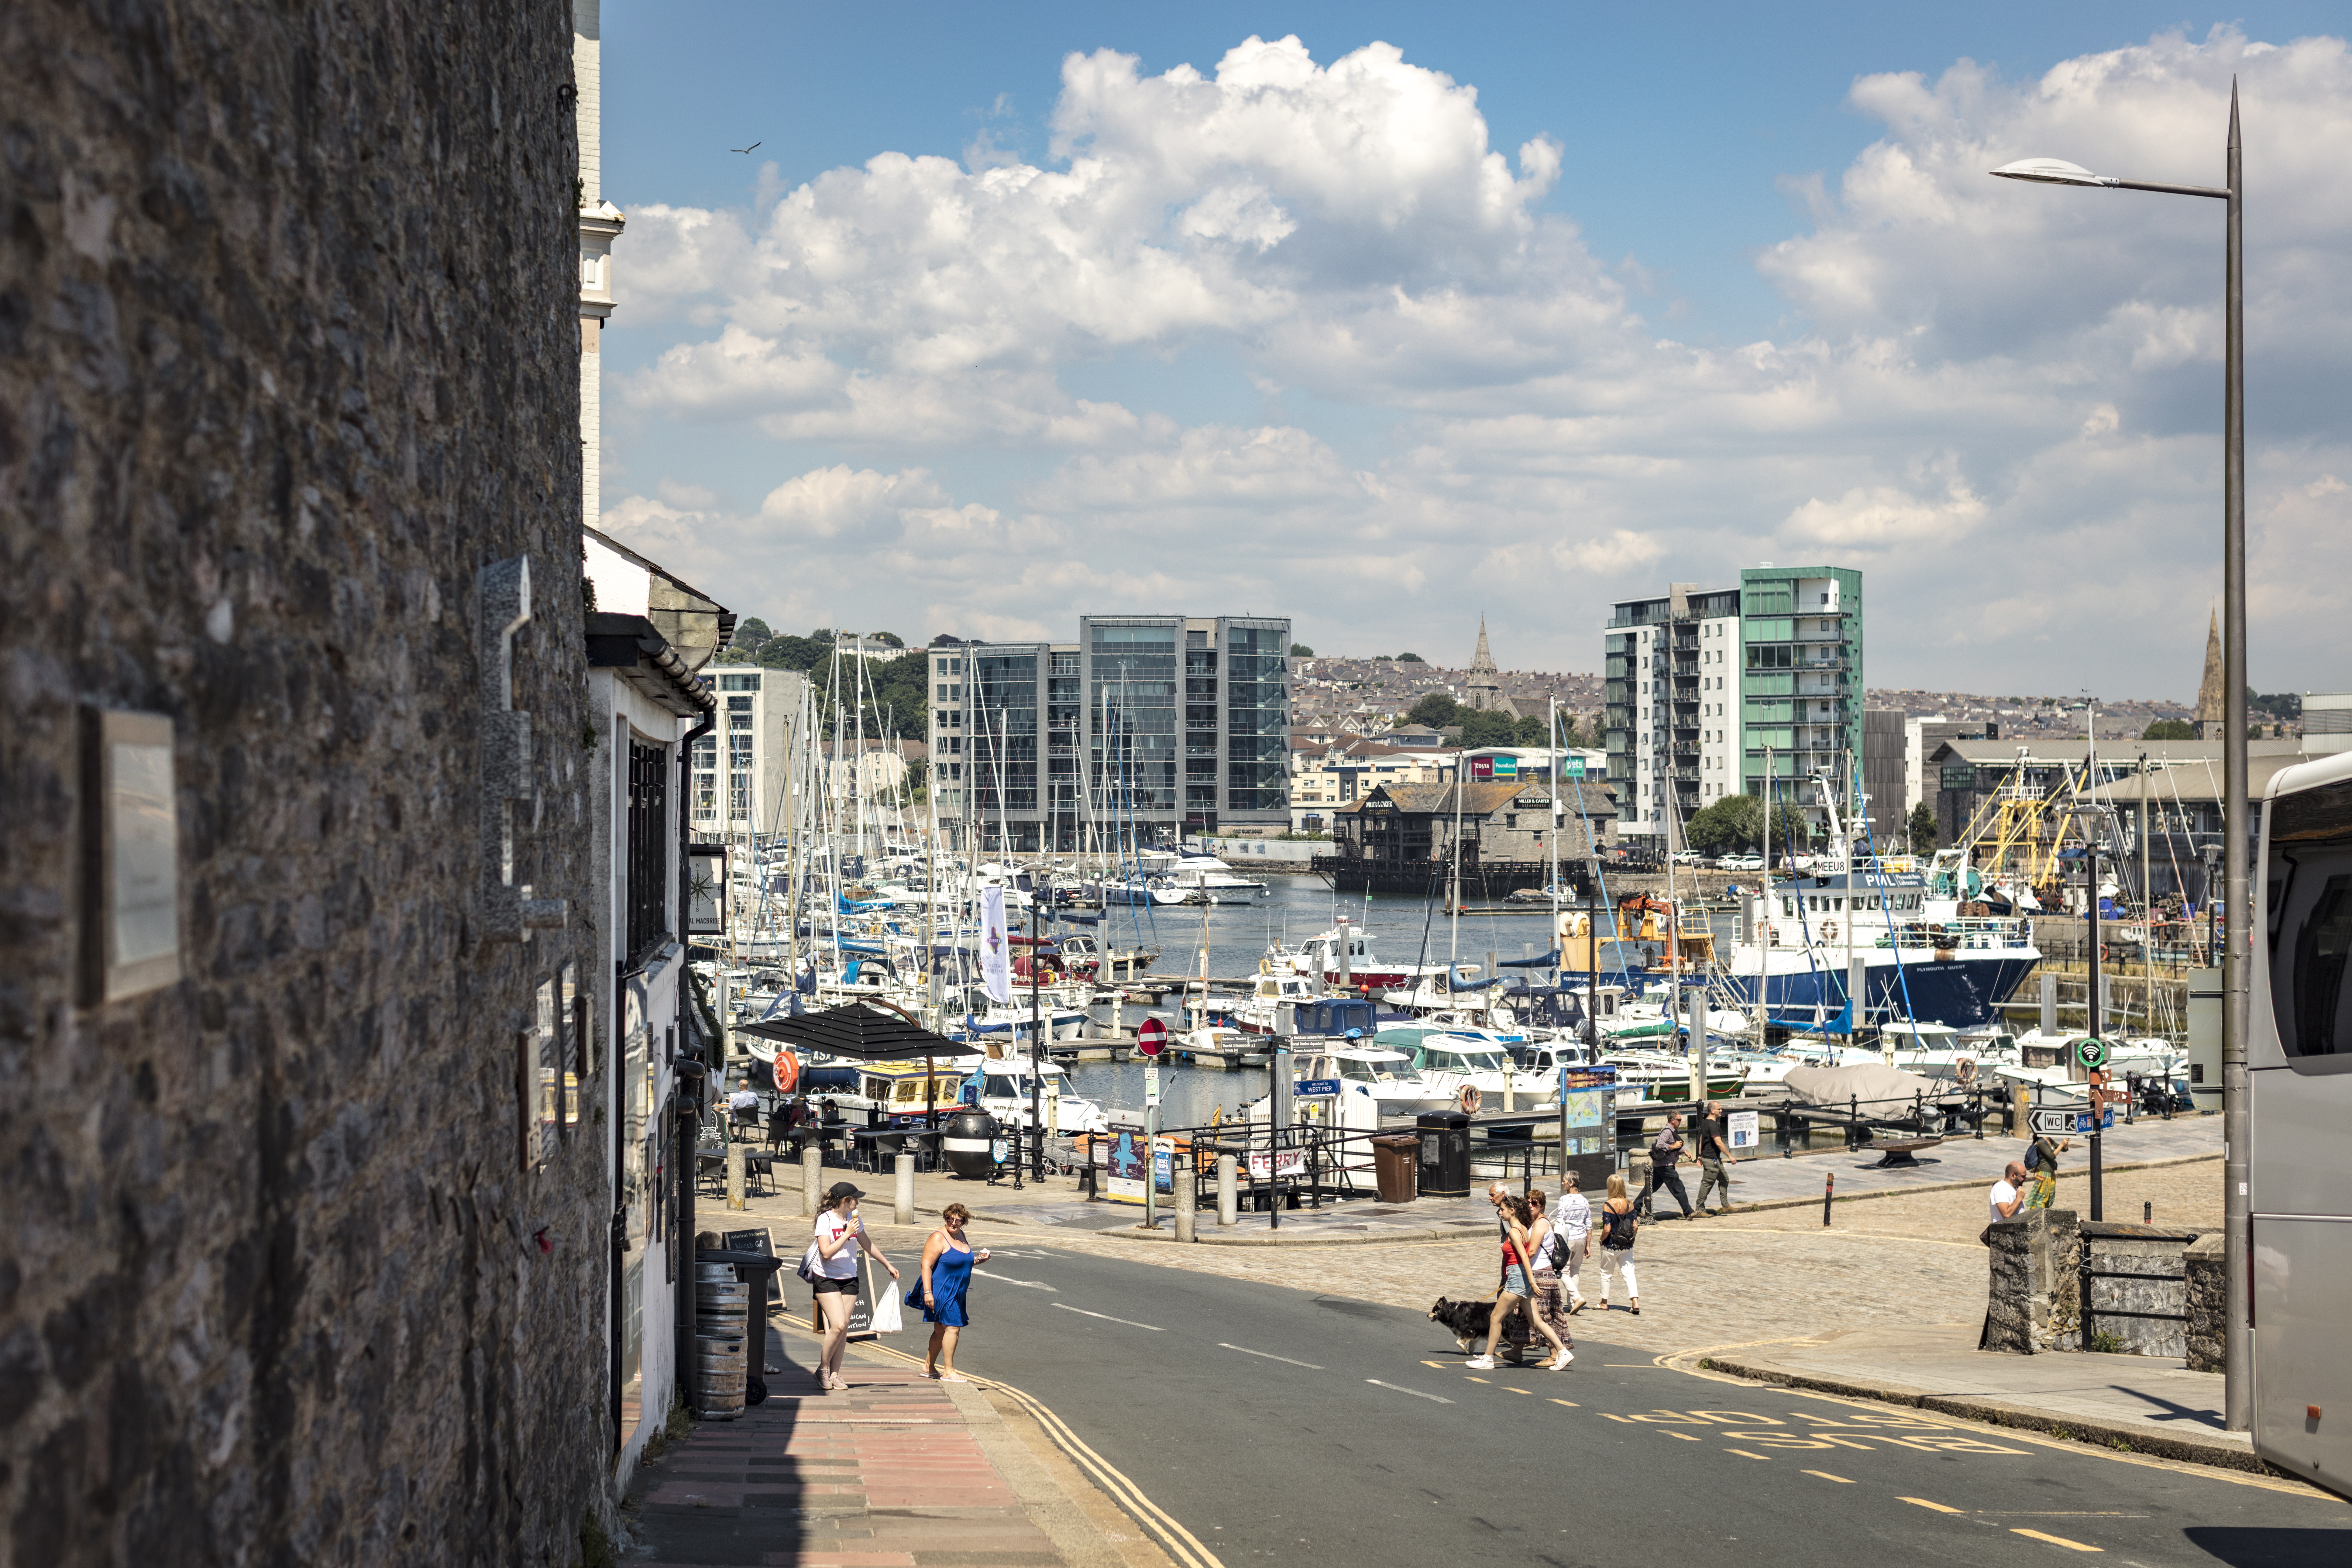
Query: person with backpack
x=1666, y=1153
x=1619, y=1225
x=2042, y=1167
x=1548, y=1248
x=1518, y=1294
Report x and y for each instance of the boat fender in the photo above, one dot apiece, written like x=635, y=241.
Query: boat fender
x=1470, y=1099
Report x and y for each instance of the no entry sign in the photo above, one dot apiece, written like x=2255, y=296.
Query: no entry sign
x=1150, y=1037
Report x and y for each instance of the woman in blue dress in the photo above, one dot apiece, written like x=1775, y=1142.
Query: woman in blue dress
x=942, y=1289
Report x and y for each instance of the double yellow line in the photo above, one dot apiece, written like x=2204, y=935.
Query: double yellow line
x=1178, y=1543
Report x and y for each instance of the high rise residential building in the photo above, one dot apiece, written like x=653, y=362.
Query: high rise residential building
x=1703, y=689
x=757, y=732
x=1154, y=725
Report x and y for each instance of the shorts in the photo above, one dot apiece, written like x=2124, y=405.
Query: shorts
x=1515, y=1281
x=846, y=1286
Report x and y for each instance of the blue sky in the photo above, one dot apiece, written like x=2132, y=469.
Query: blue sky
x=1721, y=182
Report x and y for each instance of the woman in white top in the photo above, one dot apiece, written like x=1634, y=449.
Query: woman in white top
x=1572, y=1219
x=833, y=1259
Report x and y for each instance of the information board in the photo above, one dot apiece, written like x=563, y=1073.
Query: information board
x=1741, y=1125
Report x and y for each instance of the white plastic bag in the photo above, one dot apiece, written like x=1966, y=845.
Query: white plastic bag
x=886, y=1318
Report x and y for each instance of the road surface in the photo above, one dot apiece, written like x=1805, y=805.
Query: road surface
x=1296, y=1425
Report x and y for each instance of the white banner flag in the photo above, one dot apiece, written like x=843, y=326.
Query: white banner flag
x=995, y=952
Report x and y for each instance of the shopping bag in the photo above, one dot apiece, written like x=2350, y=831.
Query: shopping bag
x=887, y=1317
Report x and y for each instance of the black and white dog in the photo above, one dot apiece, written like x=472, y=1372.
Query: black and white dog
x=1466, y=1321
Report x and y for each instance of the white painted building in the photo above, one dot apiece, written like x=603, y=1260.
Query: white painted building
x=758, y=734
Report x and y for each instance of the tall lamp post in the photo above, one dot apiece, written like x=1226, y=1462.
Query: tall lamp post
x=2236, y=1004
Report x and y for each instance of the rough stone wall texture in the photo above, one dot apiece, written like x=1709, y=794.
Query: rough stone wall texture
x=288, y=351
x=2207, y=1290
x=2135, y=1292
x=2035, y=1299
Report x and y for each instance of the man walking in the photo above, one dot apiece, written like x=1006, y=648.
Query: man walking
x=1714, y=1152
x=1666, y=1152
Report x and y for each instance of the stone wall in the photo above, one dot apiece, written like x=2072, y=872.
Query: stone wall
x=2134, y=1294
x=2034, y=1300
x=2207, y=1288
x=288, y=351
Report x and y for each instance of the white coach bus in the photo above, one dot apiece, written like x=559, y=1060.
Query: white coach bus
x=2300, y=1058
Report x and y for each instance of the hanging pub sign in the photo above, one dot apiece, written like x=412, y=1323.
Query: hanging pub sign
x=705, y=890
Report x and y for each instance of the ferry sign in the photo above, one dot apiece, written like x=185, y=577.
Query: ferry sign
x=1308, y=1086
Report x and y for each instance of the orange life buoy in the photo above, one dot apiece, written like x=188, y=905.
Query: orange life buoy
x=786, y=1070
x=1470, y=1099
x=1829, y=930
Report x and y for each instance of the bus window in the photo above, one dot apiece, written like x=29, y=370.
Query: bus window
x=2310, y=918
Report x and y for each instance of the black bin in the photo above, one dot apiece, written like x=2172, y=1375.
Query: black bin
x=968, y=1144
x=1444, y=1153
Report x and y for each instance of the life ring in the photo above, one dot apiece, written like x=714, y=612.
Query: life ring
x=1829, y=930
x=1469, y=1099
x=786, y=1070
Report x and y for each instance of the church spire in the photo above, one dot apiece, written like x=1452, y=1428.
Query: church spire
x=1482, y=661
x=2212, y=694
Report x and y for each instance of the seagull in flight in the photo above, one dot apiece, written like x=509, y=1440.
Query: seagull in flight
x=742, y=149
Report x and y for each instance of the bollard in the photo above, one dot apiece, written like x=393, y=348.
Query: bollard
x=735, y=1175
x=1829, y=1190
x=1188, y=1181
x=812, y=1176
x=902, y=1196
x=1228, y=1202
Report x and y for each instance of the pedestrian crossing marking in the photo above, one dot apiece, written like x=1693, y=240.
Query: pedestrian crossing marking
x=2058, y=1541
x=1827, y=1476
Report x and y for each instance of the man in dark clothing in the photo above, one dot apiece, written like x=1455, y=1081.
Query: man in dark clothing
x=1665, y=1150
x=1714, y=1155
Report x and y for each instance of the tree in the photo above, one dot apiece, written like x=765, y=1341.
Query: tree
x=1437, y=711
x=1922, y=827
x=1482, y=727
x=750, y=633
x=887, y=639
x=1300, y=650
x=1410, y=658
x=2170, y=730
x=1737, y=822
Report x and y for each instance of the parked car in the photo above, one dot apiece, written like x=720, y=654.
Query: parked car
x=1689, y=857
x=1741, y=863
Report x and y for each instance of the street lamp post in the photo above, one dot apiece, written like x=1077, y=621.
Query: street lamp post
x=2237, y=1140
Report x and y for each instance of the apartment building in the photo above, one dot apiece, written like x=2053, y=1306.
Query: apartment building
x=1154, y=726
x=757, y=732
x=1703, y=690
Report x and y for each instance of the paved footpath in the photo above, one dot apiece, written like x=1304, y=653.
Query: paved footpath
x=898, y=1472
x=1763, y=1180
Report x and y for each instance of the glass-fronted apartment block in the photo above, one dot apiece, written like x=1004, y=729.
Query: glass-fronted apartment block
x=1149, y=726
x=739, y=773
x=1702, y=688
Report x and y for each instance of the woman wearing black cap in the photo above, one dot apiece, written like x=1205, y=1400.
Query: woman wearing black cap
x=835, y=1266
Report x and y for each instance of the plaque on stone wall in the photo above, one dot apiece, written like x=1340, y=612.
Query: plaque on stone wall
x=130, y=853
x=550, y=1065
x=567, y=1050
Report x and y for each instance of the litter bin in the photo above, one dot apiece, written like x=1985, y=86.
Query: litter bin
x=1393, y=1159
x=1445, y=1139
x=968, y=1143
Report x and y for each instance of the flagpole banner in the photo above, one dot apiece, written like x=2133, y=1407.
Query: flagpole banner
x=995, y=952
